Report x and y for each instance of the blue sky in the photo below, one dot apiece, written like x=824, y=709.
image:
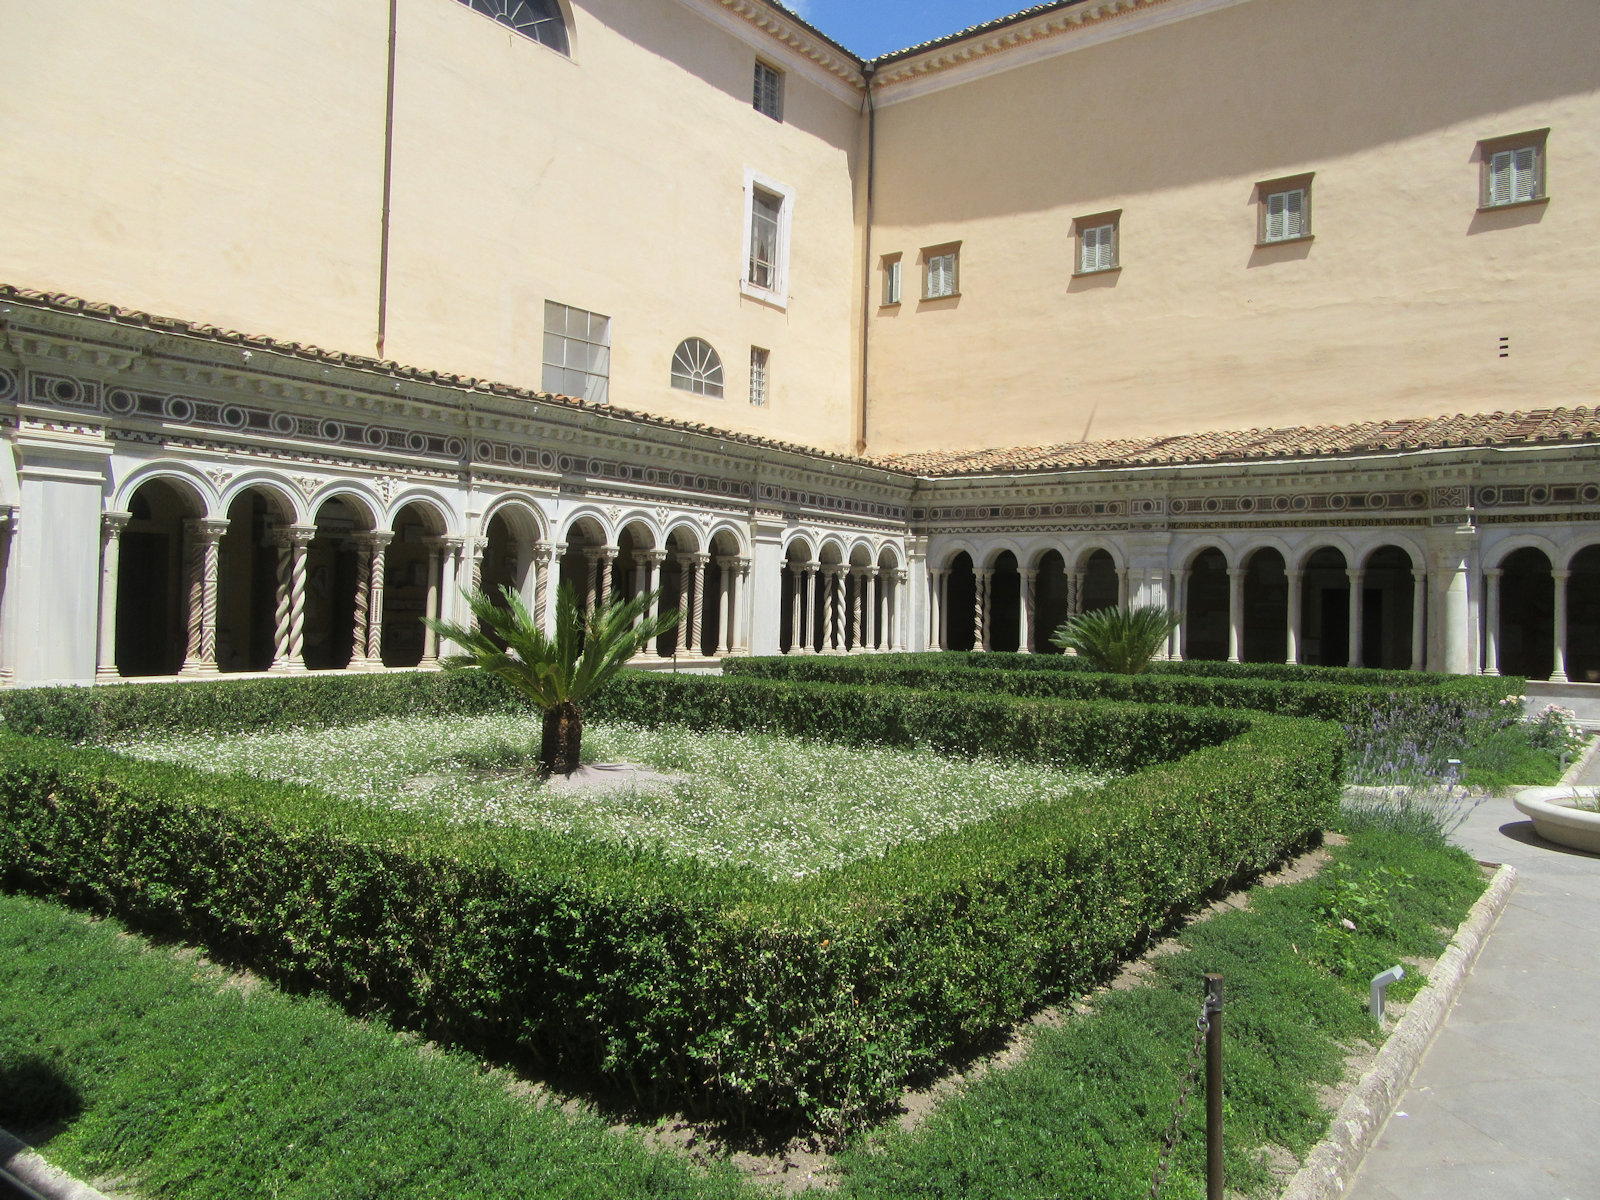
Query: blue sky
x=874, y=27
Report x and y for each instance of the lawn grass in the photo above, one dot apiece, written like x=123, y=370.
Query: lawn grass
x=1510, y=759
x=788, y=807
x=164, y=1072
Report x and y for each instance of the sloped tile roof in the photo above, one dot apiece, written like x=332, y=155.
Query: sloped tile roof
x=1542, y=425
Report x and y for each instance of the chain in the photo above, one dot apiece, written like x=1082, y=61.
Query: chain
x=1175, y=1130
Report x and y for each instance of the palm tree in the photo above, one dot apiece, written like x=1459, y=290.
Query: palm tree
x=557, y=673
x=1123, y=640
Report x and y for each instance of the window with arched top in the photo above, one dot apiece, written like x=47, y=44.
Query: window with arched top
x=540, y=20
x=696, y=368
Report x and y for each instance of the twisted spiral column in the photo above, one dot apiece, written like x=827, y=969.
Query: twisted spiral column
x=201, y=537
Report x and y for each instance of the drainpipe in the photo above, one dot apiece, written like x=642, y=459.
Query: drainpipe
x=388, y=175
x=866, y=264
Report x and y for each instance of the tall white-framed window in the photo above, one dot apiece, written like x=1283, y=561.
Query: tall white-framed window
x=577, y=352
x=768, y=219
x=759, y=359
x=1099, y=243
x=1513, y=169
x=941, y=271
x=697, y=368
x=1284, y=209
x=891, y=279
x=767, y=98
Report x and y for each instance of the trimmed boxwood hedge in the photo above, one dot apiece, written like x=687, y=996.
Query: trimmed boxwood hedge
x=1350, y=697
x=714, y=988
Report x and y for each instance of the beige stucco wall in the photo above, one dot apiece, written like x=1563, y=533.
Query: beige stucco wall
x=1394, y=309
x=221, y=161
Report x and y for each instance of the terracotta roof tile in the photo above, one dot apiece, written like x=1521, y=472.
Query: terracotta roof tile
x=1301, y=441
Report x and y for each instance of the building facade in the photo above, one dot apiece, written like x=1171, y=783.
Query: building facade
x=1214, y=274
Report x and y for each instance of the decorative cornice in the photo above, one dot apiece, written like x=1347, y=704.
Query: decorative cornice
x=826, y=62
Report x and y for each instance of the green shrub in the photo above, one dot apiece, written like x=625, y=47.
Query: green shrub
x=1123, y=640
x=711, y=988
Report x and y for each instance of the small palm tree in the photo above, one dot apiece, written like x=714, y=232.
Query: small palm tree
x=557, y=673
x=1123, y=640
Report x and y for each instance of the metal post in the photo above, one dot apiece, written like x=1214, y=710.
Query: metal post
x=1214, y=1088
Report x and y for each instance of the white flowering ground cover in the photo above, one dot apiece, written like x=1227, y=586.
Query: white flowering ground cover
x=784, y=806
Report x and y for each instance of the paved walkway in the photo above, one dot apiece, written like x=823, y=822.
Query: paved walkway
x=1506, y=1104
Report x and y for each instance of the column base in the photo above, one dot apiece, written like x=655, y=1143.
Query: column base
x=1558, y=677
x=101, y=675
x=196, y=667
x=288, y=667
x=1491, y=670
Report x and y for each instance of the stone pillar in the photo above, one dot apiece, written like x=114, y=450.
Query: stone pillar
x=591, y=568
x=475, y=548
x=112, y=524
x=869, y=639
x=1180, y=601
x=523, y=572
x=724, y=603
x=606, y=584
x=650, y=564
x=686, y=589
x=1419, y=626
x=1356, y=576
x=289, y=646
x=1297, y=580
x=809, y=608
x=1122, y=587
x=430, y=639
x=980, y=608
x=202, y=536
x=796, y=627
x=1074, y=594
x=1491, y=633
x=740, y=606
x=362, y=616
x=544, y=557
x=1030, y=580
x=834, y=573
x=379, y=565
x=1235, y=612
x=936, y=577
x=902, y=613
x=697, y=611
x=1558, y=671
x=1455, y=606
x=8, y=530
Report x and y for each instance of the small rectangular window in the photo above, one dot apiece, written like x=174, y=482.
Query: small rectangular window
x=758, y=376
x=1513, y=169
x=768, y=99
x=577, y=353
x=891, y=279
x=1098, y=239
x=766, y=211
x=1284, y=209
x=940, y=265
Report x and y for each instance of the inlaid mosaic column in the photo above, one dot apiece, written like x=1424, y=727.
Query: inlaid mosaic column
x=1028, y=603
x=606, y=584
x=855, y=591
x=1235, y=611
x=111, y=526
x=202, y=536
x=836, y=611
x=686, y=590
x=698, y=603
x=545, y=556
x=1297, y=591
x=363, y=602
x=1419, y=624
x=980, y=608
x=475, y=549
x=376, y=568
x=591, y=565
x=289, y=643
x=1356, y=576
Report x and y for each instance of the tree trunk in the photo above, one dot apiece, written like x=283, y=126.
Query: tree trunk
x=563, y=739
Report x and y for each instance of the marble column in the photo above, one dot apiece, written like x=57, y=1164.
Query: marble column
x=980, y=608
x=808, y=609
x=835, y=573
x=373, y=652
x=740, y=606
x=606, y=584
x=544, y=558
x=1419, y=625
x=1558, y=671
x=591, y=568
x=686, y=591
x=724, y=604
x=697, y=610
x=112, y=524
x=362, y=616
x=289, y=644
x=796, y=619
x=1235, y=612
x=475, y=548
x=869, y=638
x=1025, y=615
x=1122, y=587
x=902, y=614
x=1180, y=602
x=936, y=577
x=1297, y=580
x=430, y=639
x=1491, y=638
x=650, y=563
x=202, y=536
x=1074, y=594
x=1356, y=576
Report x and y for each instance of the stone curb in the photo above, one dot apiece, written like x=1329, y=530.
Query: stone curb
x=1576, y=770
x=28, y=1168
x=1334, y=1161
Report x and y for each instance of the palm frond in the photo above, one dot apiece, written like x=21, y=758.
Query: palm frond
x=1123, y=640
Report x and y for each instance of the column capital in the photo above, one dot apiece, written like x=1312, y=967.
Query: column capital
x=795, y=568
x=1561, y=576
x=727, y=560
x=452, y=544
x=1418, y=574
x=652, y=558
x=984, y=572
x=1238, y=572
x=207, y=529
x=1489, y=572
x=812, y=567
x=382, y=537
x=1029, y=573
x=872, y=572
x=543, y=552
x=286, y=536
x=479, y=544
x=112, y=522
x=694, y=559
x=901, y=574
x=1355, y=574
x=1294, y=573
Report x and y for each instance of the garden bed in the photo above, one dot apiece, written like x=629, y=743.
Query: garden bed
x=712, y=987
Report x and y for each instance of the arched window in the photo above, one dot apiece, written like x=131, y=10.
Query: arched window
x=538, y=19
x=696, y=368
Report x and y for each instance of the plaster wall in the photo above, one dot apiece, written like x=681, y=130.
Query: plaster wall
x=1395, y=307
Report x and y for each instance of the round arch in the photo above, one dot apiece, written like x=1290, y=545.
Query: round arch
x=200, y=497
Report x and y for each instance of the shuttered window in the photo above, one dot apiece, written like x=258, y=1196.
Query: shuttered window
x=941, y=276
x=1286, y=216
x=768, y=97
x=1513, y=176
x=1097, y=248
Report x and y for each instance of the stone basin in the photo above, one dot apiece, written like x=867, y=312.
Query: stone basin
x=1556, y=817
